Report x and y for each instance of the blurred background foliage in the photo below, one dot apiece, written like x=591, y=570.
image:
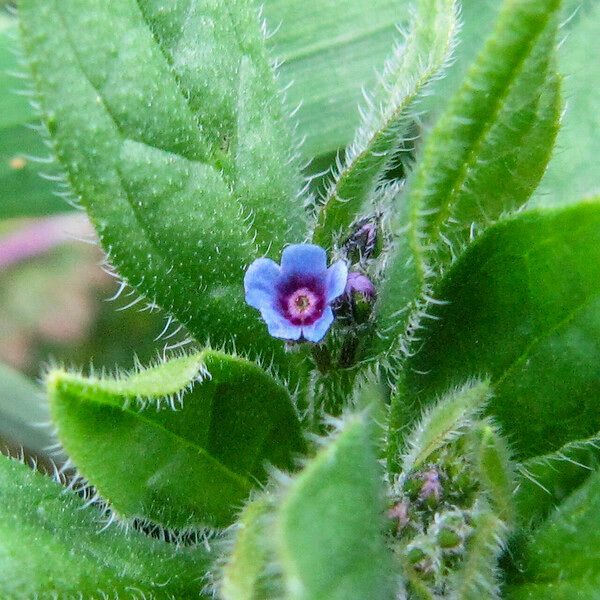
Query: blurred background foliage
x=53, y=293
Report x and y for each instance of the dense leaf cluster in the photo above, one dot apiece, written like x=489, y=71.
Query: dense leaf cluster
x=441, y=441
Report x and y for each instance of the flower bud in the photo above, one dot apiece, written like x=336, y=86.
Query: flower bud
x=361, y=293
x=357, y=283
x=399, y=512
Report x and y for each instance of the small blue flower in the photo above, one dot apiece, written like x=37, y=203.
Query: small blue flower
x=294, y=299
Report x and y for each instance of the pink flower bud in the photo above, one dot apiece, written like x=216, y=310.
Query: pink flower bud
x=358, y=283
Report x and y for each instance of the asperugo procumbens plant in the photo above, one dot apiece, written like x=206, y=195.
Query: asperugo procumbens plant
x=393, y=391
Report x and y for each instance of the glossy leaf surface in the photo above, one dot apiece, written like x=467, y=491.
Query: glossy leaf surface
x=522, y=306
x=562, y=558
x=186, y=465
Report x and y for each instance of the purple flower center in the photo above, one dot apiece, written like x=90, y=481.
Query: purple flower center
x=301, y=299
x=295, y=299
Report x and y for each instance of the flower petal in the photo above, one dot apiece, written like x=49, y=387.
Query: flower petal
x=278, y=325
x=304, y=258
x=316, y=332
x=335, y=281
x=259, y=282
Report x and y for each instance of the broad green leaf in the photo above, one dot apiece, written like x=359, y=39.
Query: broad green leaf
x=188, y=465
x=328, y=55
x=391, y=110
x=329, y=523
x=545, y=481
x=23, y=192
x=561, y=560
x=450, y=417
x=477, y=576
x=168, y=124
x=244, y=575
x=51, y=545
x=22, y=412
x=500, y=126
x=522, y=306
x=217, y=53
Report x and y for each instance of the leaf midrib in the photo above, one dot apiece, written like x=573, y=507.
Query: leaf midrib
x=183, y=281
x=221, y=159
x=462, y=174
x=570, y=316
x=77, y=393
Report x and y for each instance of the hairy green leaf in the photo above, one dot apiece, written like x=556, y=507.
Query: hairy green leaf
x=51, y=545
x=167, y=120
x=390, y=111
x=244, y=574
x=329, y=523
x=327, y=78
x=328, y=57
x=446, y=420
x=562, y=558
x=180, y=461
x=494, y=469
x=545, y=481
x=477, y=576
x=500, y=126
x=218, y=57
x=522, y=306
